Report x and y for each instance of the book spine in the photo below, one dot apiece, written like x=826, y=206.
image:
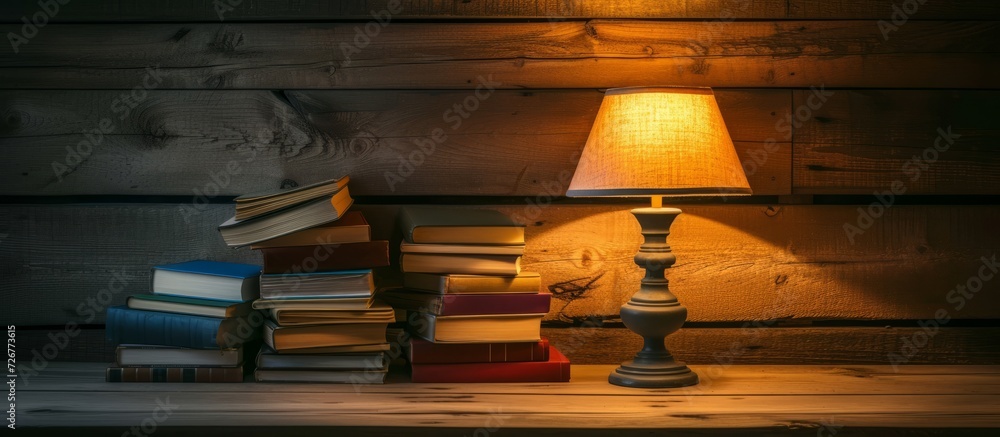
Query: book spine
x=307, y=259
x=425, y=352
x=174, y=374
x=482, y=304
x=129, y=326
x=492, y=372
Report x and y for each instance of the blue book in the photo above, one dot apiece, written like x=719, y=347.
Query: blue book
x=221, y=281
x=125, y=325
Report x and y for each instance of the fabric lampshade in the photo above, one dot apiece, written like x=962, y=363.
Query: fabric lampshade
x=659, y=142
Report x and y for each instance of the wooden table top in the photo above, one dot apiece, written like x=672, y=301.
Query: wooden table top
x=808, y=400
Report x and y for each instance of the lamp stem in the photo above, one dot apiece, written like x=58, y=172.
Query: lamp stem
x=657, y=201
x=654, y=312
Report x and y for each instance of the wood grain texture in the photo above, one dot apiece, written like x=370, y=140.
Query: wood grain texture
x=591, y=54
x=928, y=10
x=311, y=10
x=761, y=343
x=735, y=263
x=861, y=141
x=514, y=143
x=792, y=399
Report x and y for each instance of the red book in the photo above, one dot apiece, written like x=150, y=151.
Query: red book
x=556, y=369
x=174, y=374
x=425, y=352
x=467, y=304
x=326, y=257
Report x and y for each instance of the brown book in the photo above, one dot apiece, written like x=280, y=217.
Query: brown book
x=174, y=374
x=524, y=282
x=282, y=338
x=326, y=257
x=351, y=228
x=459, y=226
x=501, y=265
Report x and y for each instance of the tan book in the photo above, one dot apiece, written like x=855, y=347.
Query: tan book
x=258, y=204
x=437, y=225
x=286, y=221
x=377, y=313
x=350, y=349
x=524, y=282
x=360, y=303
x=504, y=265
x=313, y=336
x=351, y=228
x=496, y=328
x=461, y=249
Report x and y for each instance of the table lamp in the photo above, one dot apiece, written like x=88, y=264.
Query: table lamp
x=655, y=142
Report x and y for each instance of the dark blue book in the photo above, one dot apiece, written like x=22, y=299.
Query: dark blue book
x=222, y=281
x=130, y=326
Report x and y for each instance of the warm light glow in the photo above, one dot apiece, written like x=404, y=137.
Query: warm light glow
x=659, y=141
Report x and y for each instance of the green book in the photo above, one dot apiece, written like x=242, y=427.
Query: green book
x=459, y=226
x=189, y=305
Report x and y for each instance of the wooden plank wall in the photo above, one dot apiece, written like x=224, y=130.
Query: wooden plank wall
x=118, y=120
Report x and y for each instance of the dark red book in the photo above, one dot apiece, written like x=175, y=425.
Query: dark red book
x=425, y=352
x=326, y=257
x=174, y=374
x=556, y=369
x=467, y=304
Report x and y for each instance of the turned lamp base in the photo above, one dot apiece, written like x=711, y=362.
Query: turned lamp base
x=653, y=312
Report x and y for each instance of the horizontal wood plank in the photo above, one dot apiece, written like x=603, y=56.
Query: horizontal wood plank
x=514, y=142
x=755, y=343
x=311, y=10
x=791, y=402
x=927, y=142
x=591, y=54
x=926, y=10
x=735, y=263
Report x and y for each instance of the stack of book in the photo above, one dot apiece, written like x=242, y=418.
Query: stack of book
x=322, y=323
x=476, y=315
x=197, y=326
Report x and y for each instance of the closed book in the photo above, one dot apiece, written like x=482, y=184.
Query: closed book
x=524, y=282
x=467, y=304
x=459, y=226
x=124, y=325
x=496, y=328
x=140, y=355
x=501, y=265
x=556, y=369
x=461, y=249
x=269, y=359
x=230, y=282
x=258, y=204
x=286, y=221
x=174, y=374
x=338, y=303
x=348, y=256
x=312, y=336
x=188, y=305
x=378, y=312
x=328, y=376
x=351, y=228
x=425, y=352
x=341, y=283
x=349, y=349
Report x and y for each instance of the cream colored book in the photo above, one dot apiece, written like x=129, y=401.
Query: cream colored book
x=524, y=282
x=286, y=221
x=257, y=204
x=497, y=328
x=313, y=336
x=502, y=265
x=436, y=225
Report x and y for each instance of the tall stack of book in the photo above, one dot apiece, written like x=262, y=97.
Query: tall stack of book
x=197, y=326
x=317, y=286
x=476, y=316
